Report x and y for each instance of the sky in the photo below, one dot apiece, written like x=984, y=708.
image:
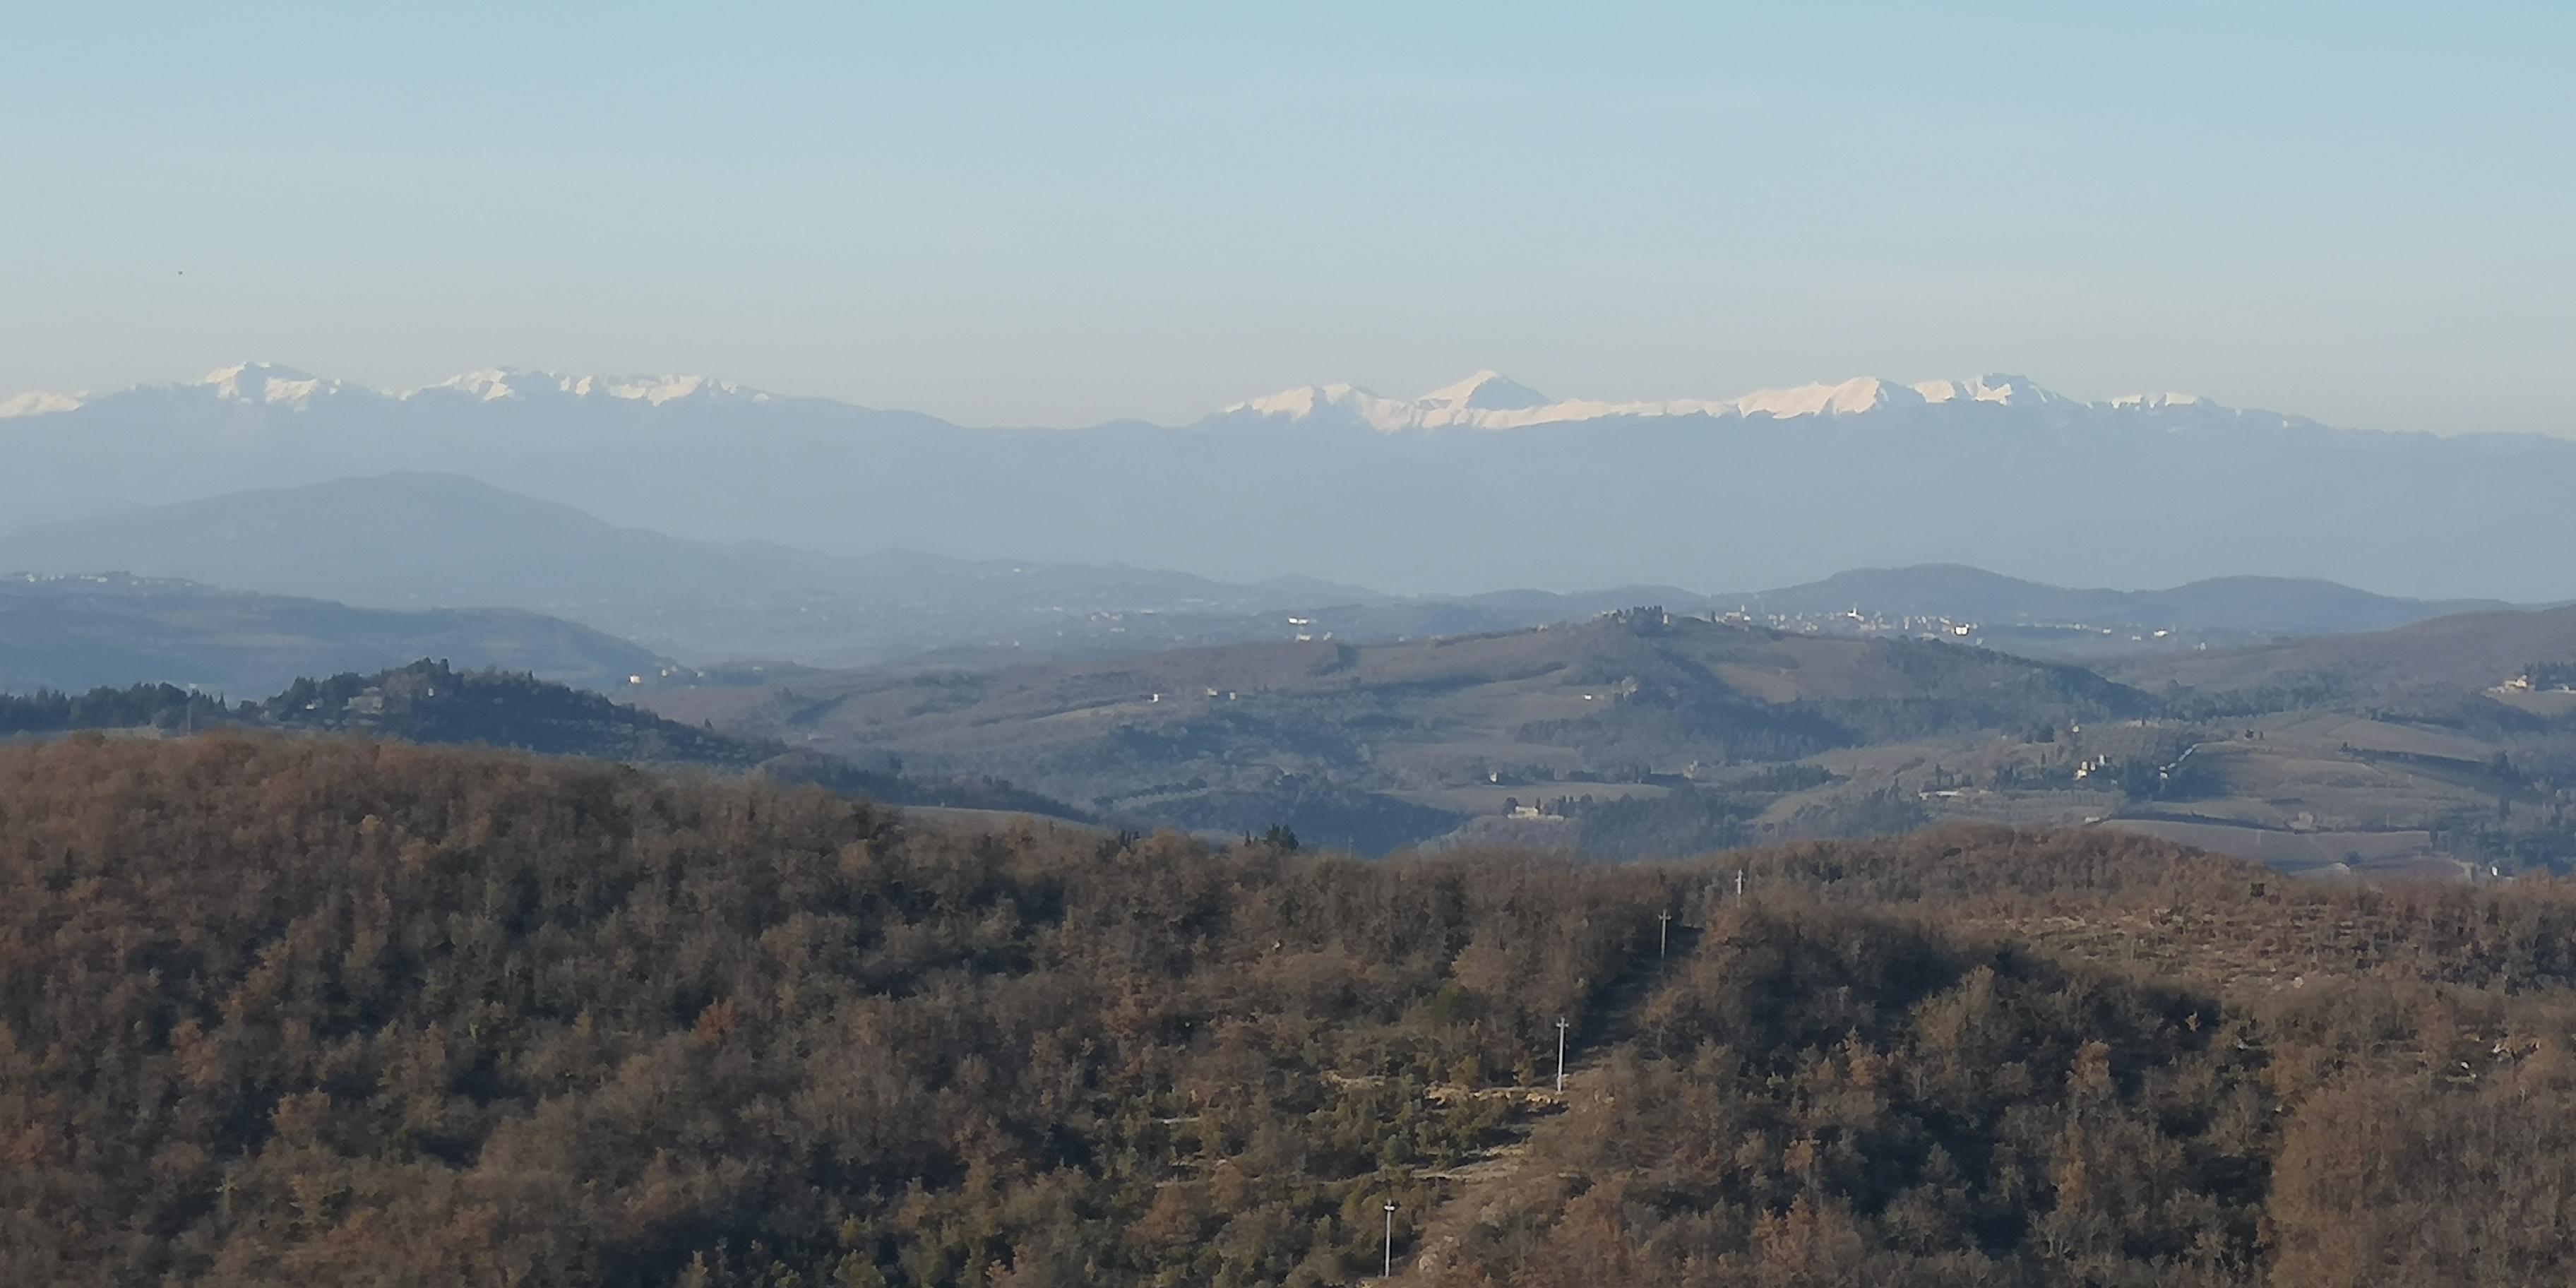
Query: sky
x=1062, y=214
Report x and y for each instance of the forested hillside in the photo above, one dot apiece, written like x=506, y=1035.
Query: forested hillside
x=316, y=1010
x=432, y=702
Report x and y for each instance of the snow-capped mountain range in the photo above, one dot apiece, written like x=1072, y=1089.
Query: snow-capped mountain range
x=1490, y=400
x=1487, y=400
x=1481, y=484
x=268, y=384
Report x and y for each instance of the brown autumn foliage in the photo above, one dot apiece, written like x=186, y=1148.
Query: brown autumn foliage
x=324, y=1011
x=327, y=1011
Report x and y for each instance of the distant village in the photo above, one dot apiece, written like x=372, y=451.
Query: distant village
x=1855, y=622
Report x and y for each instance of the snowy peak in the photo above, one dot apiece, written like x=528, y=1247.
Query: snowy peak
x=1485, y=391
x=2151, y=402
x=1849, y=398
x=1853, y=397
x=269, y=384
x=1485, y=400
x=1307, y=401
x=505, y=384
x=662, y=389
x=39, y=403
x=658, y=390
x=1994, y=389
x=494, y=384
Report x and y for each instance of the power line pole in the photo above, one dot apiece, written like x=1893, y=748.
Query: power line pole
x=1390, y=1240
x=1663, y=933
x=1560, y=1053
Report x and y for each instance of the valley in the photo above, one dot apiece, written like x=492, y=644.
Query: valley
x=2302, y=724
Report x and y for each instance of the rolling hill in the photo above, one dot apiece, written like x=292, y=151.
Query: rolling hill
x=433, y=703
x=2477, y=650
x=113, y=629
x=2238, y=606
x=1377, y=745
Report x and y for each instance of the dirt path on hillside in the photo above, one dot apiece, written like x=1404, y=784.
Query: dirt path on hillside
x=1510, y=1167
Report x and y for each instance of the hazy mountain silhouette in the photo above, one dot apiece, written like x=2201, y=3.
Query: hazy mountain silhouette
x=1482, y=484
x=419, y=540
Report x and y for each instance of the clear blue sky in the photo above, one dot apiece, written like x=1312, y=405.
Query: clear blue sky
x=1061, y=213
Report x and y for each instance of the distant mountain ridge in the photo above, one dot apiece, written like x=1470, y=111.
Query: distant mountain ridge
x=416, y=541
x=1484, y=400
x=1774, y=488
x=420, y=540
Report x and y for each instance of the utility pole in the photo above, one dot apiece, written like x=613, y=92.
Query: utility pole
x=1560, y=1053
x=1390, y=1240
x=1663, y=933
